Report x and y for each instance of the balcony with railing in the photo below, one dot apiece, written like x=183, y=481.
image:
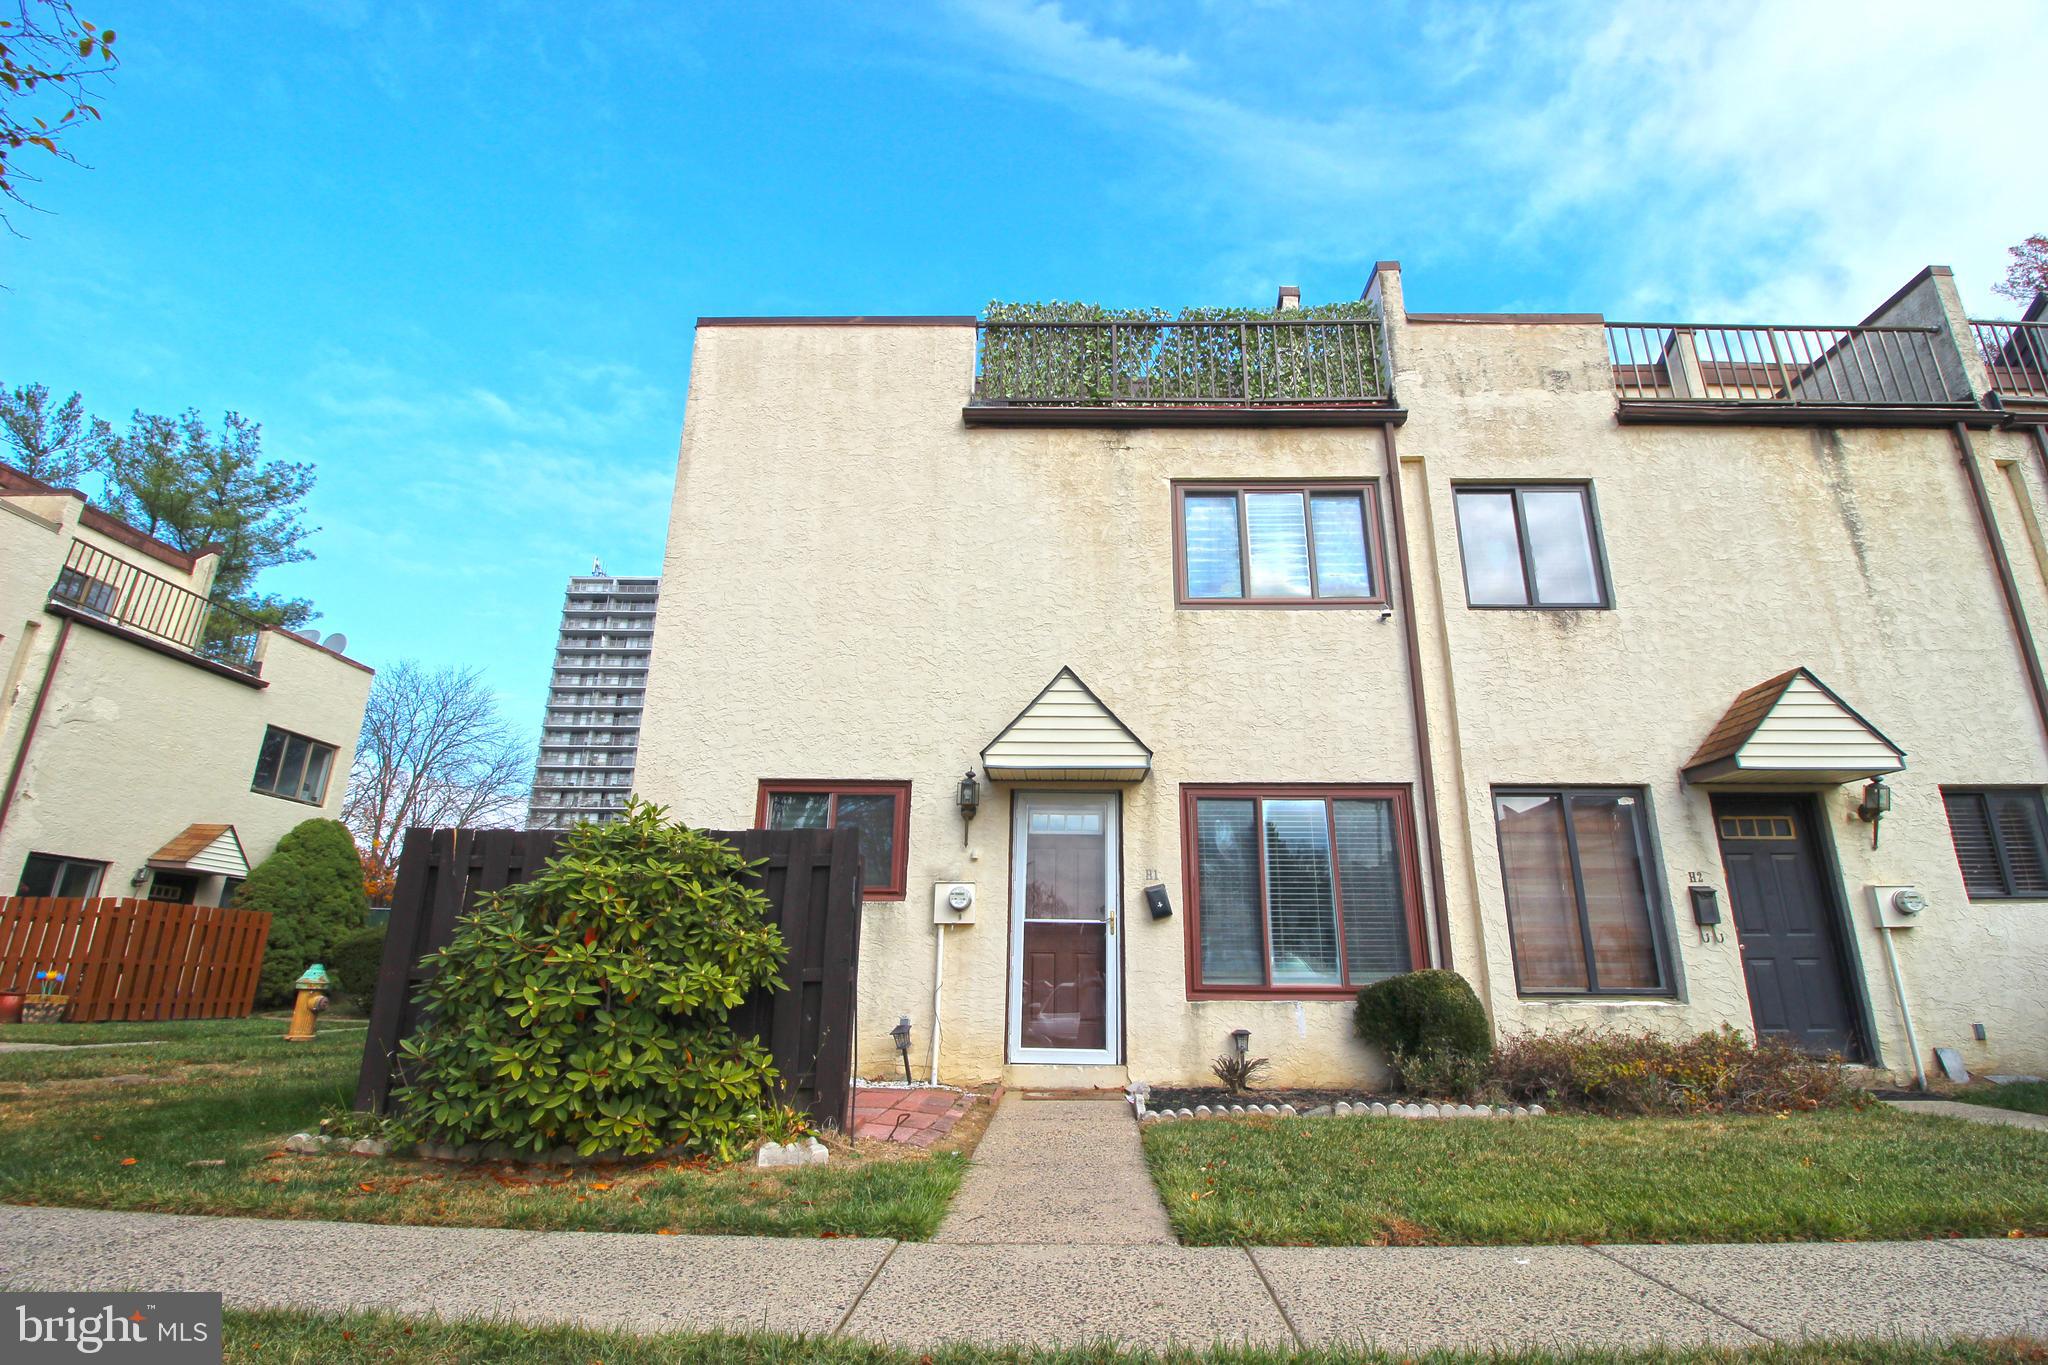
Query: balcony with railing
x=2015, y=356
x=1317, y=370
x=1688, y=371
x=105, y=588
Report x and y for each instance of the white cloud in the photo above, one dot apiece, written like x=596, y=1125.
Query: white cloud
x=1797, y=160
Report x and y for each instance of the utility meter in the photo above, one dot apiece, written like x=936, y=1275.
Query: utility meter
x=1898, y=907
x=953, y=903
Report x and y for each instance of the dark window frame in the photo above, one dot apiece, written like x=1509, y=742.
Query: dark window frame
x=898, y=887
x=99, y=884
x=1375, y=543
x=1985, y=795
x=1603, y=580
x=1656, y=904
x=1401, y=798
x=312, y=745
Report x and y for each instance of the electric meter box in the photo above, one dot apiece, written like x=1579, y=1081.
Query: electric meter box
x=1898, y=907
x=952, y=902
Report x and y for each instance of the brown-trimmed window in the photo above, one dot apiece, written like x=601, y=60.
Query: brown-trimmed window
x=1582, y=904
x=1298, y=890
x=292, y=766
x=2001, y=839
x=1530, y=545
x=1300, y=544
x=879, y=810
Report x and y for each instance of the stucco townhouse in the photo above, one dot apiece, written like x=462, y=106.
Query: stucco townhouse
x=1184, y=677
x=156, y=743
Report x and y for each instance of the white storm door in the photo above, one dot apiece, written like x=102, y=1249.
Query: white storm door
x=1064, y=978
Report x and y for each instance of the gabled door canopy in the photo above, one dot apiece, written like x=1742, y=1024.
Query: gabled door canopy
x=1066, y=734
x=1792, y=730
x=203, y=849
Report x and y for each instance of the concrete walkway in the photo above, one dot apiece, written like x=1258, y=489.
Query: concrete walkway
x=924, y=1294
x=1058, y=1173
x=1975, y=1113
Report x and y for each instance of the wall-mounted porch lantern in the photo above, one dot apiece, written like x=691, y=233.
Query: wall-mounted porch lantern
x=970, y=802
x=1877, y=803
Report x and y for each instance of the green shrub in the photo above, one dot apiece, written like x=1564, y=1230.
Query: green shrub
x=1432, y=1029
x=312, y=885
x=1631, y=1072
x=355, y=962
x=589, y=1007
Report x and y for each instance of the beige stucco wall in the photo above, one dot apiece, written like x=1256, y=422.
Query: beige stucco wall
x=133, y=745
x=1734, y=553
x=860, y=586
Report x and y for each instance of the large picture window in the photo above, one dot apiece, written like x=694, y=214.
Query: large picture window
x=293, y=766
x=1530, y=545
x=1582, y=906
x=2001, y=841
x=1298, y=890
x=879, y=810
x=1277, y=544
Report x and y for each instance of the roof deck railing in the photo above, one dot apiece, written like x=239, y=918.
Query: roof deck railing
x=2016, y=356
x=118, y=592
x=1781, y=365
x=1232, y=364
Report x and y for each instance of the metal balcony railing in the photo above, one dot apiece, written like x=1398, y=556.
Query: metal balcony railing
x=96, y=582
x=1277, y=363
x=2016, y=355
x=1817, y=366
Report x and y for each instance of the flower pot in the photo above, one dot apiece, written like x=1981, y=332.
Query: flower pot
x=44, y=1009
x=10, y=1006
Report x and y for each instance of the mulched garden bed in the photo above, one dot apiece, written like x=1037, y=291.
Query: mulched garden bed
x=1187, y=1097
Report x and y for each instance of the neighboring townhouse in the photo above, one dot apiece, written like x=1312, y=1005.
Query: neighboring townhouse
x=1236, y=665
x=156, y=743
x=592, y=724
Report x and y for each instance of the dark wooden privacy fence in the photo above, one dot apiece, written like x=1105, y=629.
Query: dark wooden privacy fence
x=812, y=878
x=130, y=959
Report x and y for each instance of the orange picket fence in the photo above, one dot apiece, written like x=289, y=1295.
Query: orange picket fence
x=130, y=959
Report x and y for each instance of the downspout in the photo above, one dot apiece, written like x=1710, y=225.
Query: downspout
x=938, y=984
x=35, y=715
x=1425, y=768
x=2015, y=613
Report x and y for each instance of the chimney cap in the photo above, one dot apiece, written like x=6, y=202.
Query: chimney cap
x=1290, y=298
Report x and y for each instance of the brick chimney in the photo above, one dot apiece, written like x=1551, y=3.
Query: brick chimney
x=1290, y=298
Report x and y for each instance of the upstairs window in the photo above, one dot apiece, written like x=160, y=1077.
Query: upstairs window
x=293, y=767
x=879, y=810
x=2000, y=842
x=1277, y=545
x=1530, y=545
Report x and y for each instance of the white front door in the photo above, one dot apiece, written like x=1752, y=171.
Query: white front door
x=1064, y=978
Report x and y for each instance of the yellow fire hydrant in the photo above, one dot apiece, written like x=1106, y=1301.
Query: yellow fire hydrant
x=312, y=989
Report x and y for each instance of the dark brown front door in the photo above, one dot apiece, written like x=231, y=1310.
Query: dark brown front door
x=1786, y=924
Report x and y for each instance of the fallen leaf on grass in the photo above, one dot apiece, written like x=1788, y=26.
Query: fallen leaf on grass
x=127, y=1161
x=367, y=1188
x=664, y=1232
x=600, y=1184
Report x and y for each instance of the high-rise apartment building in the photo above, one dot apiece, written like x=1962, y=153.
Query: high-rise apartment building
x=592, y=725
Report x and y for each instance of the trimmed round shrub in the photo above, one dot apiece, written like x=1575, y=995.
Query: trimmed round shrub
x=355, y=962
x=312, y=886
x=591, y=1006
x=1432, y=1029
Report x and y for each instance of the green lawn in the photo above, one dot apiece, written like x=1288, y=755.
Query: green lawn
x=1833, y=1175
x=232, y=1090
x=282, y=1338
x=2029, y=1097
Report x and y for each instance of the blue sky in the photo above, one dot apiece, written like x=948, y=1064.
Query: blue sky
x=452, y=255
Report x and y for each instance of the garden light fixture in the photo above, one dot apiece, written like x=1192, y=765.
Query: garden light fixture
x=1241, y=1039
x=901, y=1033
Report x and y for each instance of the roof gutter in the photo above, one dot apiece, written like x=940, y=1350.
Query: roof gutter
x=2016, y=614
x=35, y=716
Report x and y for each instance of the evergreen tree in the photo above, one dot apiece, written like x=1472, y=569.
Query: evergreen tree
x=312, y=886
x=55, y=443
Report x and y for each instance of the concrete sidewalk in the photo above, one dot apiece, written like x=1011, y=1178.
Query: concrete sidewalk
x=920, y=1295
x=1058, y=1173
